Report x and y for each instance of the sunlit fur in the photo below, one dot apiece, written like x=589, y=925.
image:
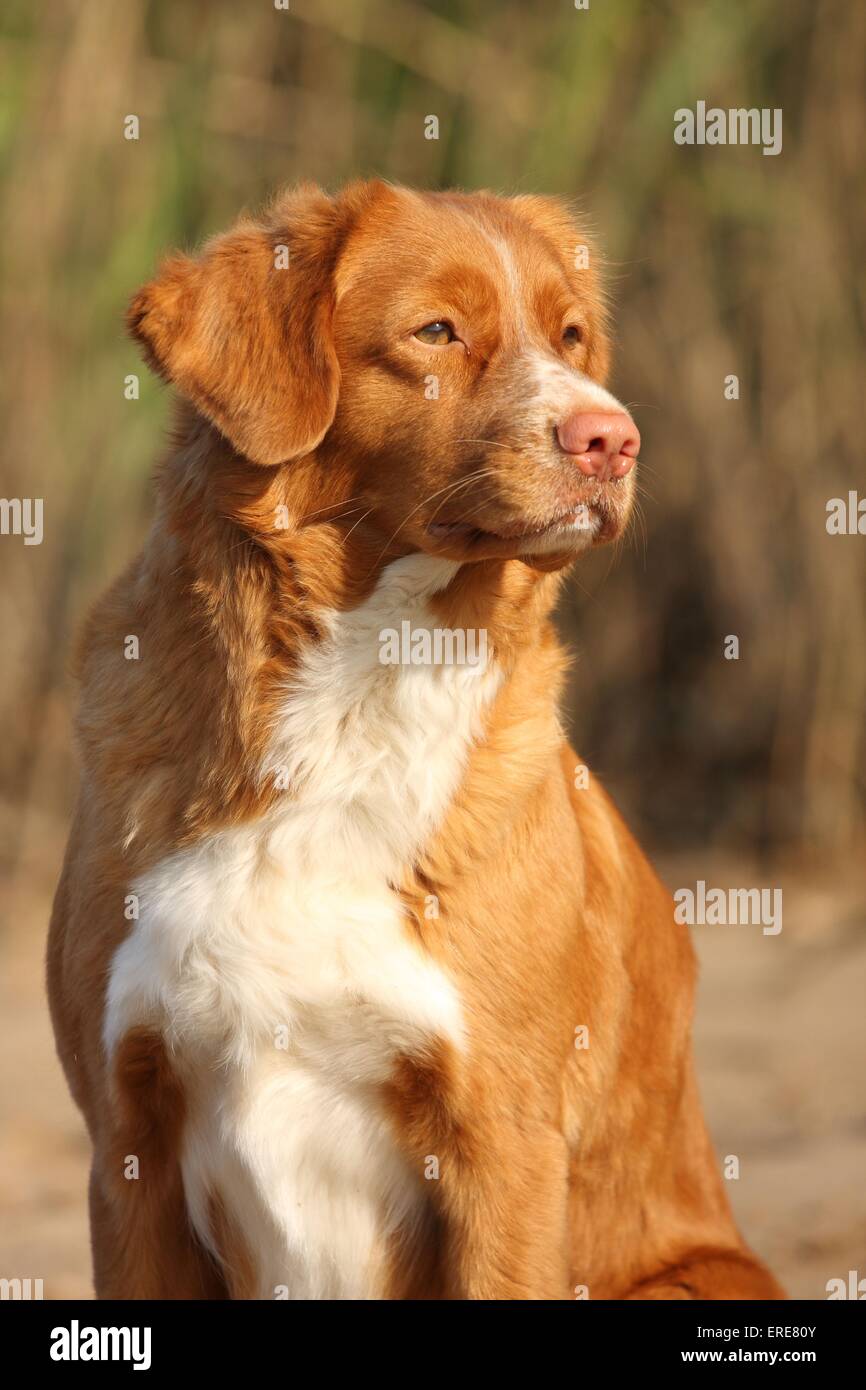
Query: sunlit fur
x=327, y=927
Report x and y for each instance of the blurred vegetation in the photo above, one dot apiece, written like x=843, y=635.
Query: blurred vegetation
x=723, y=261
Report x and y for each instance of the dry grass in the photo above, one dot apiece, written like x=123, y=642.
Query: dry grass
x=722, y=261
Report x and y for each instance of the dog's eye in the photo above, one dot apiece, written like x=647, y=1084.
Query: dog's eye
x=437, y=333
x=572, y=335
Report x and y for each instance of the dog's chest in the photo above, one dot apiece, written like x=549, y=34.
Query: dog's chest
x=278, y=962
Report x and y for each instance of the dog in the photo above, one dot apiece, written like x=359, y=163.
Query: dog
x=360, y=981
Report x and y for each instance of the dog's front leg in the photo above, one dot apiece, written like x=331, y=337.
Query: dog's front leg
x=498, y=1184
x=505, y=1217
x=143, y=1244
x=142, y=1238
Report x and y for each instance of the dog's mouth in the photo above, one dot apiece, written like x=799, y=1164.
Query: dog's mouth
x=571, y=528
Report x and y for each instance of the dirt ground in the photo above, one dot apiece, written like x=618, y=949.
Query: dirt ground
x=780, y=1044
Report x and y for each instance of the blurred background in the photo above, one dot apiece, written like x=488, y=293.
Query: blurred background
x=722, y=261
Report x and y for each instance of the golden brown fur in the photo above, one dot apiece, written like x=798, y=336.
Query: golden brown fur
x=559, y=1167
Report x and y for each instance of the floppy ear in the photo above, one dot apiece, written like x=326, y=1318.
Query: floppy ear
x=244, y=330
x=562, y=227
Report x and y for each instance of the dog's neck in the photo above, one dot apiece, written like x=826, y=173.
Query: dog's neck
x=233, y=606
x=324, y=550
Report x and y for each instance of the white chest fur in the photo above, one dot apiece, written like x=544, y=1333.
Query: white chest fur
x=278, y=964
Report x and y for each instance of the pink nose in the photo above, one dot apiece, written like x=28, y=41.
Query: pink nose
x=604, y=444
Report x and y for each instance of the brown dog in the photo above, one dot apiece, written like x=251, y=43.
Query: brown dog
x=363, y=991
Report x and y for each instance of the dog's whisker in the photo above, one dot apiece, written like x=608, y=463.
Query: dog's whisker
x=343, y=502
x=492, y=443
x=425, y=502
x=361, y=518
x=467, y=482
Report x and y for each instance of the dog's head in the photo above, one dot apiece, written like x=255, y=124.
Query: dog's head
x=442, y=353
